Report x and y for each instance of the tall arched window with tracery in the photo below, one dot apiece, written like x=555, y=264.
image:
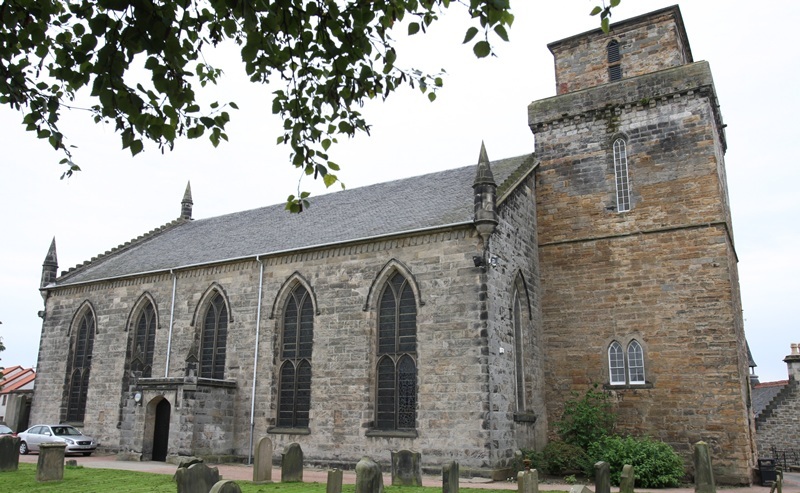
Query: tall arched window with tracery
x=80, y=366
x=214, y=339
x=626, y=367
x=616, y=364
x=143, y=341
x=621, y=176
x=294, y=394
x=396, y=406
x=635, y=363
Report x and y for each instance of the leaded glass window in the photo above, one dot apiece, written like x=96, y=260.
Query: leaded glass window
x=616, y=363
x=294, y=395
x=396, y=407
x=621, y=176
x=143, y=342
x=214, y=339
x=635, y=363
x=80, y=366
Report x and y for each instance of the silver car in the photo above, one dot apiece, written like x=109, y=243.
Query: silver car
x=77, y=442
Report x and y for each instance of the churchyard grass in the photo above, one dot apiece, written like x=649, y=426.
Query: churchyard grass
x=90, y=480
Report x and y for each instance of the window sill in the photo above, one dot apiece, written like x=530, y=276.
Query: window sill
x=525, y=417
x=627, y=386
x=288, y=431
x=392, y=433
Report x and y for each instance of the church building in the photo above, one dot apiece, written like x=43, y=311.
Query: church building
x=452, y=313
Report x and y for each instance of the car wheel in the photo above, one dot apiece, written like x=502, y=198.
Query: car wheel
x=23, y=448
x=87, y=454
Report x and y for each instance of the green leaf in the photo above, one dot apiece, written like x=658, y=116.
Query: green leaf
x=413, y=28
x=614, y=3
x=431, y=96
x=136, y=147
x=329, y=180
x=604, y=25
x=596, y=10
x=482, y=49
x=471, y=32
x=501, y=31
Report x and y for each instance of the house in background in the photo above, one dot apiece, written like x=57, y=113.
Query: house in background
x=776, y=406
x=15, y=396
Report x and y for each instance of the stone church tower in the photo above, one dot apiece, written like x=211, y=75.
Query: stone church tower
x=639, y=275
x=451, y=313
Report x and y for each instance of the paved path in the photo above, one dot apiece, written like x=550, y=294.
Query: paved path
x=245, y=473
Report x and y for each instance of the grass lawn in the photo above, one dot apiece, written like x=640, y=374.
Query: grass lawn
x=89, y=480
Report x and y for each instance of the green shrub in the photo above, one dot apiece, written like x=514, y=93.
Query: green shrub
x=586, y=419
x=655, y=464
x=559, y=458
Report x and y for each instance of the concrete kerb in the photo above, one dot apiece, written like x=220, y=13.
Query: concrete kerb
x=241, y=472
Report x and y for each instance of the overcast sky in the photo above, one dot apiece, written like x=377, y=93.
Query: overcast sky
x=751, y=48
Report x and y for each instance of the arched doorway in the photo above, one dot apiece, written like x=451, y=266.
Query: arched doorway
x=161, y=430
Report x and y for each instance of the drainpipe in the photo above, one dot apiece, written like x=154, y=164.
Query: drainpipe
x=171, y=320
x=255, y=360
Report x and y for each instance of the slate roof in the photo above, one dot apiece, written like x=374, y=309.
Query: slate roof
x=422, y=202
x=763, y=393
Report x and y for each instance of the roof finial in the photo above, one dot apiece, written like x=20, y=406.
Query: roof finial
x=50, y=265
x=186, y=203
x=485, y=188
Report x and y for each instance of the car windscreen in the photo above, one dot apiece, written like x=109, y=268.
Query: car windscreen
x=65, y=430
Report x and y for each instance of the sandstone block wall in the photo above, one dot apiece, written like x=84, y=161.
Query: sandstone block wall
x=646, y=44
x=452, y=414
x=663, y=273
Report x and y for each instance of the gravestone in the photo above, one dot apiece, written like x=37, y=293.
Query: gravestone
x=226, y=486
x=71, y=463
x=9, y=453
x=406, y=468
x=580, y=488
x=292, y=464
x=334, y=481
x=528, y=481
x=51, y=462
x=197, y=478
x=262, y=467
x=368, y=476
x=450, y=478
x=602, y=477
x=703, y=473
x=626, y=479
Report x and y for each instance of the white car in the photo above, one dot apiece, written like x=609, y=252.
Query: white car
x=77, y=442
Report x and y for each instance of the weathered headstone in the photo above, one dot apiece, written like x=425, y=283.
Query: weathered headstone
x=292, y=464
x=9, y=453
x=528, y=481
x=226, y=486
x=406, y=468
x=602, y=477
x=51, y=462
x=262, y=467
x=703, y=473
x=450, y=478
x=334, y=481
x=71, y=463
x=184, y=463
x=626, y=479
x=580, y=488
x=368, y=476
x=197, y=478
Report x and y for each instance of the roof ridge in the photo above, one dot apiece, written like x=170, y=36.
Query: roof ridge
x=124, y=246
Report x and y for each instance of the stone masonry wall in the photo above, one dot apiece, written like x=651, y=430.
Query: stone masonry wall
x=646, y=45
x=451, y=385
x=663, y=273
x=514, y=243
x=780, y=424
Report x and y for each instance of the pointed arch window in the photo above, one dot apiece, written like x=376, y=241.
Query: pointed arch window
x=143, y=341
x=214, y=339
x=80, y=367
x=396, y=371
x=621, y=176
x=614, y=61
x=519, y=352
x=626, y=367
x=294, y=394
